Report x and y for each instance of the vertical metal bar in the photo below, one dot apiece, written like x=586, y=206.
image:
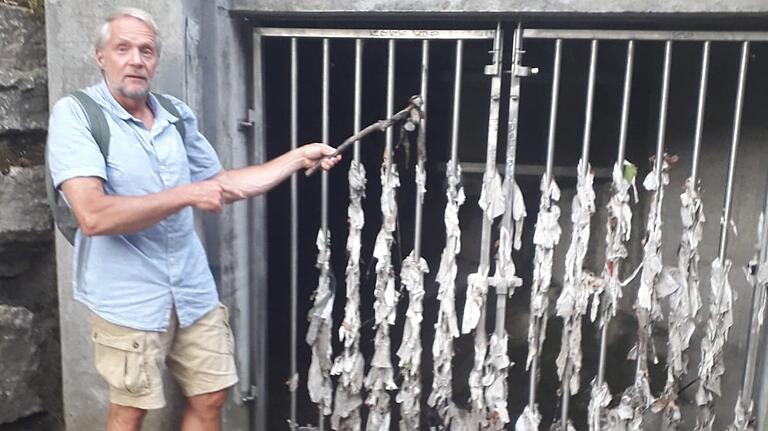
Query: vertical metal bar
x=723, y=245
x=626, y=102
x=663, y=116
x=590, y=103
x=456, y=101
x=511, y=160
x=700, y=113
x=620, y=156
x=553, y=110
x=324, y=178
x=423, y=125
x=253, y=309
x=565, y=388
x=390, y=99
x=758, y=299
x=294, y=231
x=358, y=93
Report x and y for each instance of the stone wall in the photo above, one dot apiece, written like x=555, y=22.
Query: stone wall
x=30, y=366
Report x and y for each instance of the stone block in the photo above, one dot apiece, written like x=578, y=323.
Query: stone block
x=19, y=363
x=25, y=221
x=23, y=77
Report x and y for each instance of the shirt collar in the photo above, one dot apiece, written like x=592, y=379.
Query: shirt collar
x=105, y=98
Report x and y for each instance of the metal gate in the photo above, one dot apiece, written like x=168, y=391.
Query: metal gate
x=486, y=406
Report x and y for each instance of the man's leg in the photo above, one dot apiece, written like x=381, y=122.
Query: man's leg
x=203, y=412
x=124, y=418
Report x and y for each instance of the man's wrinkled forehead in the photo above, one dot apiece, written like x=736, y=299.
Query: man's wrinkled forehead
x=131, y=30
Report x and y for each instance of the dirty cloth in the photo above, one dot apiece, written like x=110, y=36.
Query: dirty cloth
x=647, y=304
x=380, y=378
x=409, y=397
x=446, y=327
x=545, y=238
x=577, y=283
x=618, y=229
x=492, y=202
x=318, y=335
x=711, y=366
x=681, y=285
x=349, y=366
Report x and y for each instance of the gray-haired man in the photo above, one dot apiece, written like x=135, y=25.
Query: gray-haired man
x=139, y=265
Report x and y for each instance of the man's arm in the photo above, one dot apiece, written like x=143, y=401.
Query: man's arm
x=100, y=214
x=258, y=179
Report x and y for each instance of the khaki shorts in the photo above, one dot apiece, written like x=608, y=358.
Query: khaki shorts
x=200, y=357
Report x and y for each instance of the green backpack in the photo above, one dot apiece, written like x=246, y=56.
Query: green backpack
x=62, y=214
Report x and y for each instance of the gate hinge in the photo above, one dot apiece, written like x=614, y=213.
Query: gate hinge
x=247, y=123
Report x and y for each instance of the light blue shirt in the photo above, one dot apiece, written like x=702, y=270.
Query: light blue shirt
x=135, y=280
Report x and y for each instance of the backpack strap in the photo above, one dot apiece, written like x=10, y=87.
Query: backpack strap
x=96, y=120
x=171, y=108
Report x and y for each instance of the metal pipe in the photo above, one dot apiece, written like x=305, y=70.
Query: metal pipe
x=565, y=389
x=421, y=160
x=324, y=177
x=294, y=233
x=358, y=93
x=661, y=134
x=700, y=113
x=723, y=245
x=688, y=36
x=412, y=34
x=626, y=102
x=553, y=110
x=456, y=101
x=620, y=156
x=390, y=99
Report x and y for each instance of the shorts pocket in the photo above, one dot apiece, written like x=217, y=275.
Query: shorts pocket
x=121, y=361
x=227, y=335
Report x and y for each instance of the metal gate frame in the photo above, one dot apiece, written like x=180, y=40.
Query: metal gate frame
x=558, y=35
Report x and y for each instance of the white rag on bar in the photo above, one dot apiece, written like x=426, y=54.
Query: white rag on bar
x=545, y=237
x=577, y=283
x=350, y=364
x=446, y=327
x=647, y=304
x=529, y=420
x=681, y=285
x=504, y=280
x=711, y=366
x=742, y=418
x=319, y=332
x=617, y=232
x=492, y=203
x=380, y=378
x=409, y=397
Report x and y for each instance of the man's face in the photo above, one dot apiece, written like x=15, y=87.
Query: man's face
x=128, y=59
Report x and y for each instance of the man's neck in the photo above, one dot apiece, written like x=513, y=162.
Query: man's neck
x=136, y=107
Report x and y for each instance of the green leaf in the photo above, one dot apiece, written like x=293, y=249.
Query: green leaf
x=630, y=171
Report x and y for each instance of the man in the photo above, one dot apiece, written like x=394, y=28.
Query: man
x=139, y=265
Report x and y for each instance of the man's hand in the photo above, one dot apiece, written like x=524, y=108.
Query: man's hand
x=313, y=153
x=206, y=195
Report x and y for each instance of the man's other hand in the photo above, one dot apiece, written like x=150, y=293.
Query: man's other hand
x=313, y=153
x=207, y=195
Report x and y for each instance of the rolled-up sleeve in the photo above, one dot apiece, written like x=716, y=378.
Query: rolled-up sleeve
x=72, y=151
x=203, y=161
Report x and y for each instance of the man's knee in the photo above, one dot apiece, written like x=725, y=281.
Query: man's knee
x=125, y=417
x=210, y=403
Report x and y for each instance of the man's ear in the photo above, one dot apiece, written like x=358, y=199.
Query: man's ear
x=99, y=55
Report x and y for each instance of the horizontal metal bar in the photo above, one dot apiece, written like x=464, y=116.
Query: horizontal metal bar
x=715, y=36
x=530, y=170
x=379, y=33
